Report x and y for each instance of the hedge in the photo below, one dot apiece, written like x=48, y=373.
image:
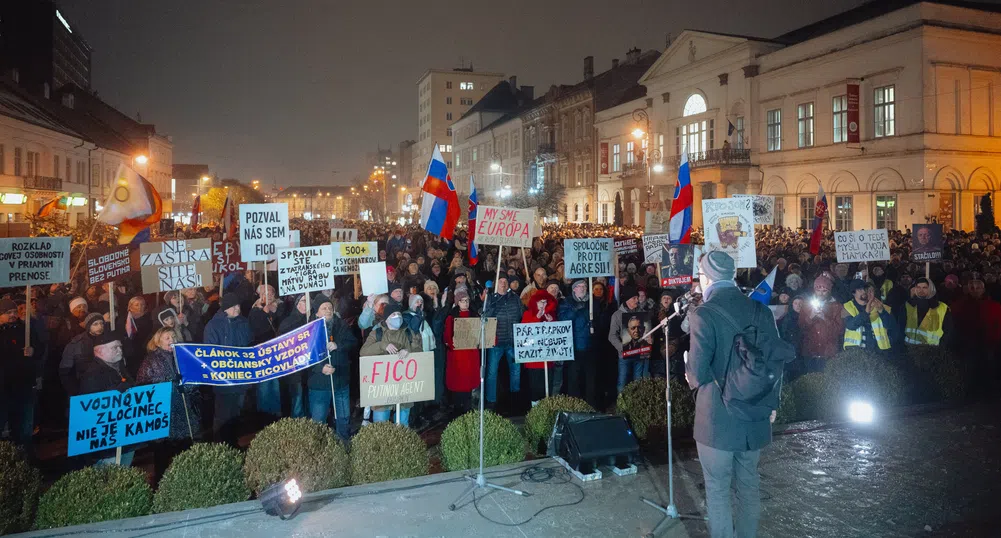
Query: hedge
x=540, y=419
x=809, y=393
x=387, y=451
x=93, y=494
x=460, y=442
x=19, y=485
x=939, y=374
x=787, y=411
x=297, y=448
x=642, y=402
x=207, y=474
x=858, y=374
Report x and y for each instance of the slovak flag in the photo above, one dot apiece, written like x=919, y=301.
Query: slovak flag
x=228, y=210
x=818, y=222
x=473, y=204
x=763, y=293
x=134, y=205
x=196, y=211
x=440, y=206
x=681, y=207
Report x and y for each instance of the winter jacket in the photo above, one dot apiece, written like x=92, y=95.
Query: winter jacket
x=615, y=328
x=158, y=367
x=824, y=335
x=264, y=325
x=223, y=330
x=381, y=336
x=978, y=322
x=100, y=376
x=576, y=311
x=76, y=358
x=347, y=343
x=17, y=372
x=507, y=309
x=462, y=369
x=531, y=315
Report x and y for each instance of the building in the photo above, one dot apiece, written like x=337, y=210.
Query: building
x=408, y=196
x=186, y=182
x=315, y=203
x=38, y=41
x=443, y=96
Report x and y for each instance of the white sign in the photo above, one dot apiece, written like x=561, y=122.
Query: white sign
x=176, y=264
x=729, y=227
x=347, y=256
x=305, y=269
x=585, y=258
x=263, y=230
x=764, y=207
x=653, y=247
x=697, y=254
x=373, y=278
x=506, y=226
x=338, y=235
x=34, y=260
x=390, y=380
x=294, y=239
x=864, y=246
x=547, y=341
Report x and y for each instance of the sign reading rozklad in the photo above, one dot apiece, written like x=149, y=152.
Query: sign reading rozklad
x=34, y=260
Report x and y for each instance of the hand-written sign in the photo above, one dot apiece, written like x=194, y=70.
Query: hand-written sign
x=226, y=257
x=263, y=230
x=625, y=247
x=763, y=207
x=864, y=246
x=175, y=265
x=547, y=341
x=347, y=256
x=729, y=226
x=391, y=380
x=506, y=226
x=466, y=333
x=585, y=258
x=34, y=260
x=111, y=419
x=340, y=235
x=305, y=269
x=107, y=264
x=653, y=247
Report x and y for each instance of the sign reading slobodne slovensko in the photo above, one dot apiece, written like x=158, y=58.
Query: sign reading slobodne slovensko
x=863, y=246
x=107, y=264
x=347, y=256
x=547, y=341
x=390, y=380
x=175, y=265
x=504, y=226
x=34, y=260
x=588, y=257
x=111, y=419
x=305, y=269
x=263, y=230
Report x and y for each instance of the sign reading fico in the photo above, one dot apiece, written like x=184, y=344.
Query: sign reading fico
x=263, y=230
x=390, y=380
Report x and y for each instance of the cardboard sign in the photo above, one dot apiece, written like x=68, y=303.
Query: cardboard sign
x=864, y=246
x=764, y=208
x=676, y=265
x=305, y=269
x=347, y=256
x=635, y=325
x=543, y=342
x=626, y=247
x=390, y=380
x=729, y=227
x=263, y=230
x=341, y=235
x=657, y=222
x=585, y=258
x=466, y=333
x=226, y=257
x=34, y=260
x=373, y=278
x=111, y=419
x=506, y=226
x=926, y=242
x=175, y=265
x=653, y=247
x=108, y=264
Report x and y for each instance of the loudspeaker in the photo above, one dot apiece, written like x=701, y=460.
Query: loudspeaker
x=588, y=440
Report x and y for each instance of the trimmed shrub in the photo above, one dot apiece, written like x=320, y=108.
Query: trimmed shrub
x=940, y=374
x=92, y=494
x=786, y=412
x=809, y=391
x=857, y=374
x=19, y=484
x=207, y=474
x=299, y=448
x=460, y=442
x=387, y=451
x=540, y=419
x=642, y=402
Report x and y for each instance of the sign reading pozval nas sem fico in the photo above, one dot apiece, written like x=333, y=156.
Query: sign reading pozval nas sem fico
x=263, y=230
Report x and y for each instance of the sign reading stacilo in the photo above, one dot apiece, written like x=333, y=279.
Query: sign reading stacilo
x=108, y=264
x=390, y=380
x=547, y=341
x=226, y=257
x=34, y=260
x=653, y=247
x=588, y=257
x=263, y=230
x=111, y=419
x=729, y=227
x=864, y=246
x=926, y=242
x=505, y=226
x=175, y=265
x=305, y=269
x=347, y=256
x=207, y=364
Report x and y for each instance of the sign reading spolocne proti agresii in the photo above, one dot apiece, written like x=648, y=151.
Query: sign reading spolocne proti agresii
x=585, y=258
x=111, y=419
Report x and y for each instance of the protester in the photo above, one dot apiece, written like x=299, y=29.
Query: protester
x=821, y=326
x=581, y=371
x=868, y=324
x=228, y=328
x=20, y=375
x=107, y=372
x=78, y=352
x=541, y=308
x=390, y=337
x=630, y=369
x=264, y=319
x=333, y=375
x=462, y=370
x=505, y=305
x=978, y=333
x=925, y=319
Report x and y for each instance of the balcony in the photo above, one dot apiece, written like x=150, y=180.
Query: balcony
x=714, y=157
x=42, y=183
x=634, y=169
x=546, y=152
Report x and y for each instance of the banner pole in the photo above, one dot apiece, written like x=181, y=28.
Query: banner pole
x=928, y=271
x=27, y=317
x=184, y=401
x=118, y=456
x=545, y=373
x=500, y=250
x=397, y=413
x=265, y=274
x=528, y=275
x=590, y=302
x=111, y=305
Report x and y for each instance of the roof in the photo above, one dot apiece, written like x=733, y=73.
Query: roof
x=501, y=98
x=311, y=191
x=620, y=84
x=15, y=103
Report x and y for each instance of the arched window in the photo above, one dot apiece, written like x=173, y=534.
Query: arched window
x=587, y=212
x=576, y=212
x=695, y=105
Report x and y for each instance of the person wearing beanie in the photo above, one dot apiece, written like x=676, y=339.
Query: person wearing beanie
x=462, y=368
x=263, y=319
x=20, y=374
x=925, y=319
x=629, y=369
x=821, y=326
x=582, y=370
x=868, y=323
x=396, y=295
x=391, y=337
x=228, y=328
x=78, y=352
x=341, y=344
x=505, y=305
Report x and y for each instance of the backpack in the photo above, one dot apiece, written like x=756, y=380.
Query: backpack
x=753, y=370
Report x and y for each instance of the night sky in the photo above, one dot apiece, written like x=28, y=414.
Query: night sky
x=298, y=91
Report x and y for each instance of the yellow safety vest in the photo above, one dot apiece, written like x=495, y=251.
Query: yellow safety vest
x=884, y=290
x=854, y=338
x=930, y=330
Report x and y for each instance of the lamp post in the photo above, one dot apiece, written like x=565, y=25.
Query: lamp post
x=652, y=154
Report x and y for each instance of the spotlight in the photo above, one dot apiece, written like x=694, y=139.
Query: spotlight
x=281, y=499
x=861, y=412
x=815, y=303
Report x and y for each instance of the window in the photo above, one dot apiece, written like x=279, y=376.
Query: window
x=448, y=164
x=587, y=212
x=843, y=213
x=840, y=109
x=696, y=104
x=579, y=173
x=448, y=132
x=467, y=86
x=465, y=100
x=81, y=168
x=774, y=118
x=884, y=112
x=708, y=191
x=739, y=127
x=807, y=210
x=445, y=148
x=886, y=212
x=69, y=170
x=448, y=116
x=32, y=170
x=660, y=146
x=448, y=100
x=17, y=161
x=615, y=158
x=95, y=174
x=474, y=155
x=55, y=166
x=804, y=114
x=779, y=210
x=630, y=153
x=448, y=85
x=587, y=172
x=458, y=159
x=695, y=137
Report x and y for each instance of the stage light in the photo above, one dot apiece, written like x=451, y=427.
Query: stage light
x=281, y=499
x=861, y=412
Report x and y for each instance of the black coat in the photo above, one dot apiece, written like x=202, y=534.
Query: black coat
x=17, y=372
x=340, y=358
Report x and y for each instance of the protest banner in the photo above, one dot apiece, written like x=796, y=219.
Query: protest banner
x=863, y=246
x=175, y=264
x=657, y=222
x=545, y=341
x=729, y=227
x=263, y=230
x=635, y=325
x=676, y=265
x=763, y=207
x=505, y=226
x=466, y=333
x=653, y=247
x=34, y=260
x=226, y=257
x=343, y=235
x=585, y=258
x=209, y=364
x=347, y=256
x=112, y=419
x=373, y=278
x=108, y=264
x=926, y=242
x=390, y=380
x=625, y=247
x=305, y=269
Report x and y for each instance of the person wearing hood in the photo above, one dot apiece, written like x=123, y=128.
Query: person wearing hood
x=182, y=312
x=581, y=372
x=868, y=323
x=877, y=274
x=629, y=369
x=168, y=319
x=137, y=326
x=341, y=344
x=462, y=373
x=78, y=352
x=822, y=329
x=391, y=337
x=554, y=288
x=20, y=375
x=107, y=372
x=925, y=319
x=228, y=328
x=541, y=308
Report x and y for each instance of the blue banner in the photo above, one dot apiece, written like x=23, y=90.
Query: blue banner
x=112, y=419
x=206, y=364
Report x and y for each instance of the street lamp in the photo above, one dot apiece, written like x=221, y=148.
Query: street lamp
x=652, y=154
x=141, y=159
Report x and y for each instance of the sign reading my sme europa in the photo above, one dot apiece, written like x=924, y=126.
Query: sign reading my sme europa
x=175, y=265
x=505, y=226
x=34, y=260
x=588, y=257
x=263, y=230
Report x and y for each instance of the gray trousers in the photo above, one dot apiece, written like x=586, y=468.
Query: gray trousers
x=719, y=468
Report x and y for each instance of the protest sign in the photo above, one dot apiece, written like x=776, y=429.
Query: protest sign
x=305, y=269
x=546, y=341
x=373, y=278
x=226, y=257
x=863, y=246
x=635, y=325
x=111, y=419
x=263, y=230
x=763, y=207
x=209, y=364
x=466, y=333
x=34, y=260
x=729, y=227
x=657, y=222
x=926, y=242
x=653, y=247
x=585, y=258
x=175, y=264
x=347, y=256
x=505, y=226
x=625, y=247
x=107, y=264
x=293, y=239
x=390, y=380
x=676, y=265
x=696, y=254
x=342, y=235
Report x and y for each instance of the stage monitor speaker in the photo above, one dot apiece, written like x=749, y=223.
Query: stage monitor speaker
x=588, y=440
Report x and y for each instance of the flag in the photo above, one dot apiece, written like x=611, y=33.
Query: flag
x=681, y=207
x=227, y=218
x=473, y=204
x=134, y=205
x=196, y=209
x=130, y=326
x=818, y=222
x=59, y=202
x=763, y=293
x=440, y=206
x=730, y=129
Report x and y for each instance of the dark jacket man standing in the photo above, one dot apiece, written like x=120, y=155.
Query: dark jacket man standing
x=228, y=328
